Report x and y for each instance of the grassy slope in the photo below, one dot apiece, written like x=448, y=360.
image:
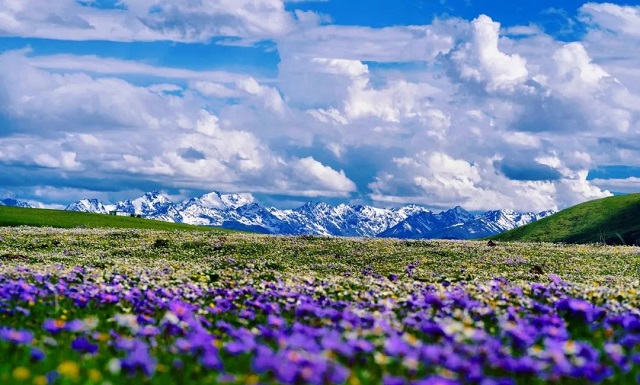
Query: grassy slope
x=614, y=220
x=14, y=216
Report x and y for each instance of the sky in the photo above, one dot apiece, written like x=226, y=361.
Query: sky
x=528, y=106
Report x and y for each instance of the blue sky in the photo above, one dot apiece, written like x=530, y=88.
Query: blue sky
x=492, y=104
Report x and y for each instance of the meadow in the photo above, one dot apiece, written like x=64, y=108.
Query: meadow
x=131, y=306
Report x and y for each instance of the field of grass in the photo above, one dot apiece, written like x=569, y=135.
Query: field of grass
x=614, y=220
x=17, y=216
x=125, y=306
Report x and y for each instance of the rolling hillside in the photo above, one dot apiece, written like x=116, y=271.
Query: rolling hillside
x=613, y=220
x=17, y=216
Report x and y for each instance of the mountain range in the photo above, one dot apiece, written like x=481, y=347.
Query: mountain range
x=243, y=212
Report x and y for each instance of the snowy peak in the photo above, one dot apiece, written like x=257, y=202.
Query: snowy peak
x=88, y=206
x=211, y=200
x=454, y=216
x=314, y=208
x=148, y=205
x=14, y=203
x=237, y=200
x=407, y=211
x=215, y=200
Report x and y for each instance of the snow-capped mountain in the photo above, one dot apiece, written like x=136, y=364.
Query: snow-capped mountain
x=151, y=205
x=213, y=209
x=460, y=224
x=14, y=203
x=425, y=224
x=242, y=212
x=88, y=206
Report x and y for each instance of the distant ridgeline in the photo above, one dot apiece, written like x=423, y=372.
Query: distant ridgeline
x=242, y=212
x=614, y=220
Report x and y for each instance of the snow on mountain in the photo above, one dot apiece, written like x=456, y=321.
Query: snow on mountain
x=201, y=212
x=237, y=200
x=242, y=212
x=213, y=209
x=455, y=216
x=460, y=224
x=88, y=206
x=424, y=224
x=14, y=203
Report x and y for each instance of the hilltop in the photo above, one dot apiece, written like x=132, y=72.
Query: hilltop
x=613, y=220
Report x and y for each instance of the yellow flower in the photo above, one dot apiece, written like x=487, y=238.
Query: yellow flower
x=40, y=380
x=353, y=380
x=94, y=375
x=21, y=373
x=380, y=358
x=69, y=369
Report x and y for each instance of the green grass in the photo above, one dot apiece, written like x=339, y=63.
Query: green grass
x=15, y=216
x=614, y=220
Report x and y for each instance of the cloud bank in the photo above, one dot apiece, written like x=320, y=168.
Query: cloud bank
x=456, y=112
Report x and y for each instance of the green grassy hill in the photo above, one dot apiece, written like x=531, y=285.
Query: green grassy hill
x=614, y=220
x=15, y=216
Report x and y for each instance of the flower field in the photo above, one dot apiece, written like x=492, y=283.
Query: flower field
x=116, y=307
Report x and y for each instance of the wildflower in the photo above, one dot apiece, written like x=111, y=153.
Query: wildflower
x=36, y=355
x=18, y=337
x=69, y=369
x=94, y=375
x=391, y=380
x=577, y=308
x=21, y=373
x=114, y=366
x=139, y=358
x=83, y=345
x=54, y=326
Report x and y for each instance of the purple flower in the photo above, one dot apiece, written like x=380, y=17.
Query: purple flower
x=139, y=358
x=37, y=355
x=391, y=380
x=52, y=376
x=578, y=308
x=83, y=345
x=555, y=279
x=263, y=360
x=435, y=380
x=285, y=371
x=181, y=309
x=56, y=326
x=496, y=381
x=395, y=346
x=19, y=337
x=211, y=360
x=338, y=374
x=410, y=269
x=333, y=341
x=244, y=342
